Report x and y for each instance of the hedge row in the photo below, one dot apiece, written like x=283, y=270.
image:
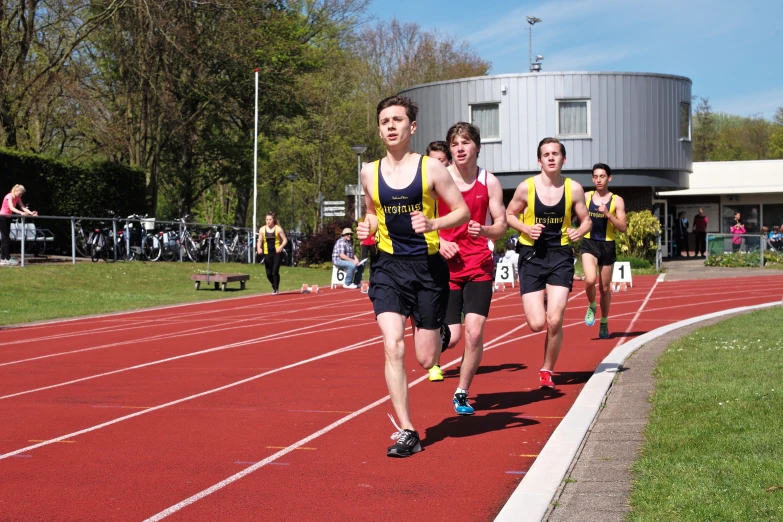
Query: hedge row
x=56, y=188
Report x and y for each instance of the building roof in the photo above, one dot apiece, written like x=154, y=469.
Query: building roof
x=733, y=177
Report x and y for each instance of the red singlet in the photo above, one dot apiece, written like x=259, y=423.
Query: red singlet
x=474, y=260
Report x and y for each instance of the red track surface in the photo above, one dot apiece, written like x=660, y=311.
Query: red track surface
x=118, y=417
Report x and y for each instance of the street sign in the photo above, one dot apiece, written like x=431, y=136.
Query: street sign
x=333, y=209
x=335, y=213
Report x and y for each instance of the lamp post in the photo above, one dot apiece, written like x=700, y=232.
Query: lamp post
x=359, y=150
x=532, y=20
x=255, y=170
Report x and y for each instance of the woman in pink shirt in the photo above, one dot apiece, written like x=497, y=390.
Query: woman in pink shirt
x=12, y=204
x=737, y=229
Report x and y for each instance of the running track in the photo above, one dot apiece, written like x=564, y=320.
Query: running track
x=274, y=408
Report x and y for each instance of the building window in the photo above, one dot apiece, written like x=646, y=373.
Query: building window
x=486, y=117
x=685, y=121
x=573, y=118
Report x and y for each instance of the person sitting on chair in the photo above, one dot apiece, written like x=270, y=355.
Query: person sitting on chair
x=344, y=259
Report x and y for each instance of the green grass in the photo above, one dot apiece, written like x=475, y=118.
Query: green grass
x=714, y=444
x=35, y=293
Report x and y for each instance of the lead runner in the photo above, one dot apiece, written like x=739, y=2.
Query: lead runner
x=409, y=278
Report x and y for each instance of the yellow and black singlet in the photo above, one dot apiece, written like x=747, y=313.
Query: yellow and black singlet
x=602, y=230
x=556, y=218
x=393, y=208
x=271, y=240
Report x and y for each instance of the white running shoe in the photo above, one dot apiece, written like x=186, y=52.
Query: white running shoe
x=351, y=286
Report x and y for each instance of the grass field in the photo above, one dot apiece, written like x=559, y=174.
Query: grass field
x=35, y=293
x=714, y=444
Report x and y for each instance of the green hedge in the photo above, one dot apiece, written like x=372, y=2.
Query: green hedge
x=56, y=188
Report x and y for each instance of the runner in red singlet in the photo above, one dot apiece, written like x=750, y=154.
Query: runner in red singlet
x=468, y=255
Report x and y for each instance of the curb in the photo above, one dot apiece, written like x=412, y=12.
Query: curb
x=530, y=501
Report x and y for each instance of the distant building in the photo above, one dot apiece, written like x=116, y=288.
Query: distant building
x=637, y=123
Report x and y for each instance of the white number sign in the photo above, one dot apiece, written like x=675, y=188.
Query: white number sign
x=338, y=276
x=622, y=273
x=505, y=273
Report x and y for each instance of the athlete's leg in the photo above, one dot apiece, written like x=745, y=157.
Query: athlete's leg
x=427, y=345
x=392, y=327
x=590, y=267
x=533, y=305
x=474, y=349
x=606, y=289
x=558, y=299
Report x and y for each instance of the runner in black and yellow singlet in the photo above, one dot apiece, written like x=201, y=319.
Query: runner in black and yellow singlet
x=607, y=213
x=541, y=210
x=409, y=277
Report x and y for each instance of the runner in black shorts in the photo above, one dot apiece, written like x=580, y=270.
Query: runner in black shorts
x=607, y=213
x=409, y=279
x=541, y=211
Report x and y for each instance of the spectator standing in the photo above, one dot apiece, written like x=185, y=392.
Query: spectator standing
x=738, y=229
x=12, y=204
x=344, y=258
x=700, y=222
x=681, y=234
x=271, y=242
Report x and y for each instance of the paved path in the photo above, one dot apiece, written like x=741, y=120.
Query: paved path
x=693, y=268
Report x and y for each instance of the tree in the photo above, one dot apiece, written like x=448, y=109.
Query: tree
x=776, y=136
x=704, y=130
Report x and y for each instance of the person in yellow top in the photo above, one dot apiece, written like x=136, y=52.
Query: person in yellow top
x=271, y=242
x=409, y=278
x=607, y=212
x=541, y=211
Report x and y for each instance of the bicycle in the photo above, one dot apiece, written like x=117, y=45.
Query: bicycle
x=102, y=245
x=83, y=246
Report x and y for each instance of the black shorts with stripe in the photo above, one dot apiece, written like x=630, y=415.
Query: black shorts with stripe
x=545, y=266
x=603, y=251
x=412, y=286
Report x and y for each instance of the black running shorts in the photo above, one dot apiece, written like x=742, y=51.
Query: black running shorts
x=547, y=266
x=416, y=286
x=473, y=298
x=603, y=251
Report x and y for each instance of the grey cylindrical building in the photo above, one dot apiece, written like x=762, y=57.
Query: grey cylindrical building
x=637, y=123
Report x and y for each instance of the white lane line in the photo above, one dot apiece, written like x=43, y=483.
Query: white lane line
x=530, y=501
x=227, y=325
x=638, y=313
x=271, y=337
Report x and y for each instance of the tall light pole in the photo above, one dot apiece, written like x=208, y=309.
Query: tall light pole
x=532, y=20
x=359, y=150
x=292, y=177
x=255, y=172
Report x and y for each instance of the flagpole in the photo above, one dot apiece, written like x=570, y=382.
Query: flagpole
x=255, y=173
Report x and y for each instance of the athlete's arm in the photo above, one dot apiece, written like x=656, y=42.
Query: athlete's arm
x=515, y=207
x=580, y=209
x=283, y=240
x=444, y=188
x=448, y=249
x=618, y=220
x=369, y=226
x=496, y=209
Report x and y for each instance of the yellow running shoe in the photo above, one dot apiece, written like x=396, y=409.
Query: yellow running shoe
x=435, y=374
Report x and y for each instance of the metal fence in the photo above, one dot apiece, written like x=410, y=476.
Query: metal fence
x=132, y=238
x=750, y=245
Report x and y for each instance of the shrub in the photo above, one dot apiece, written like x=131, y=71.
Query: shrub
x=639, y=240
x=739, y=259
x=317, y=248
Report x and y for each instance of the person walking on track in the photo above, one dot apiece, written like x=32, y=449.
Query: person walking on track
x=410, y=278
x=469, y=258
x=541, y=211
x=607, y=213
x=271, y=243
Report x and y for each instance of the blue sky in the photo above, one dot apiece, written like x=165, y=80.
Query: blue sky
x=733, y=51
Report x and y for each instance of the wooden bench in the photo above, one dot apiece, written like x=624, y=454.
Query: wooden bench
x=36, y=238
x=220, y=280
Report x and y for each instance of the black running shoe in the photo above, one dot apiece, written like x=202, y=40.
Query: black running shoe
x=407, y=444
x=445, y=337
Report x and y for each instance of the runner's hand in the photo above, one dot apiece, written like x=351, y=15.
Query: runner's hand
x=474, y=229
x=420, y=222
x=603, y=210
x=535, y=231
x=573, y=234
x=363, y=229
x=448, y=249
